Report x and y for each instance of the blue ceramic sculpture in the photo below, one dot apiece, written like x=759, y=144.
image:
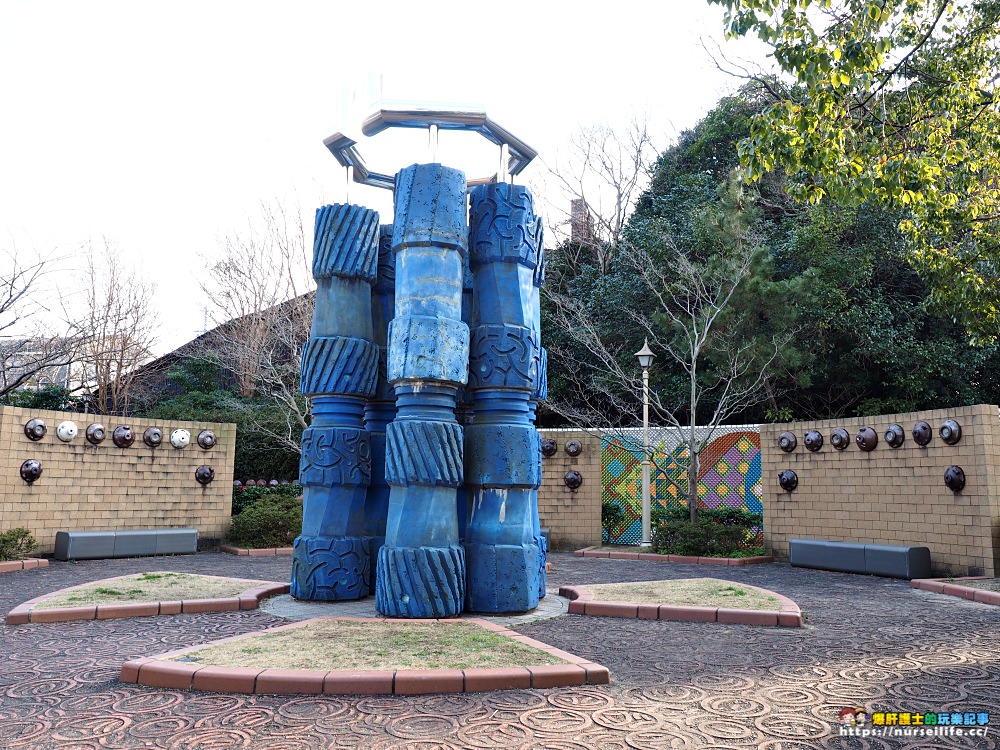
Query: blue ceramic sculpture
x=503, y=448
x=422, y=466
x=331, y=558
x=421, y=566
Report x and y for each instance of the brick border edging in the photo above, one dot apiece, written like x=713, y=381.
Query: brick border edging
x=657, y=557
x=582, y=603
x=228, y=549
x=938, y=586
x=158, y=671
x=24, y=613
x=29, y=563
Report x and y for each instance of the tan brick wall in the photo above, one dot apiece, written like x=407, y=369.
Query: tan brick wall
x=87, y=487
x=573, y=518
x=891, y=495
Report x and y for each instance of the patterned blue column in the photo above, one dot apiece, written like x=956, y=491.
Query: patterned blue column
x=381, y=408
x=331, y=557
x=540, y=393
x=503, y=448
x=421, y=567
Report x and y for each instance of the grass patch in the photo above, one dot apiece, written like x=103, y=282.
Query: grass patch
x=691, y=592
x=339, y=644
x=149, y=587
x=115, y=594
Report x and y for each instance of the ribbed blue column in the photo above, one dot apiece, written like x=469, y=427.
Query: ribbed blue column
x=332, y=555
x=381, y=408
x=421, y=566
x=503, y=448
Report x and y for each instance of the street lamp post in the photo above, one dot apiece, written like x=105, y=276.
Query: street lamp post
x=645, y=357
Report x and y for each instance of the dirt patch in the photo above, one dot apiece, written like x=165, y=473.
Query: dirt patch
x=340, y=644
x=691, y=592
x=149, y=587
x=986, y=584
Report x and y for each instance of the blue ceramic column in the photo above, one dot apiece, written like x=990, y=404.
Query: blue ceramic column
x=381, y=409
x=421, y=567
x=503, y=448
x=540, y=393
x=331, y=557
x=463, y=408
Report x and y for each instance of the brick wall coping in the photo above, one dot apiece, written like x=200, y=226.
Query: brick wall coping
x=9, y=566
x=944, y=586
x=582, y=603
x=656, y=557
x=258, y=552
x=25, y=613
x=159, y=671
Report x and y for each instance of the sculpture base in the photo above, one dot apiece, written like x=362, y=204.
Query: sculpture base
x=329, y=569
x=502, y=577
x=420, y=582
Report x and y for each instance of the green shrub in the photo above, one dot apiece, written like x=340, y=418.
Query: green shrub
x=752, y=551
x=16, y=543
x=658, y=515
x=244, y=497
x=681, y=538
x=612, y=516
x=732, y=516
x=272, y=521
x=719, y=532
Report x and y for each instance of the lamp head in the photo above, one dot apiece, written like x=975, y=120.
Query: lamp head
x=645, y=355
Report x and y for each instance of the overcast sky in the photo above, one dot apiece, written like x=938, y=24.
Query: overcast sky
x=162, y=127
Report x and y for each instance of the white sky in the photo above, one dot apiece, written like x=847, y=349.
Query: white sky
x=162, y=127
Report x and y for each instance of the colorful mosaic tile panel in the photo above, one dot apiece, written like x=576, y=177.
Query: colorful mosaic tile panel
x=729, y=474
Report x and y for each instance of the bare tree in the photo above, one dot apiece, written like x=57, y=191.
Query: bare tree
x=602, y=176
x=118, y=329
x=253, y=272
x=693, y=320
x=34, y=344
x=260, y=288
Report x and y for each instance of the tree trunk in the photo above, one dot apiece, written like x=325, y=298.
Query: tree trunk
x=693, y=481
x=693, y=443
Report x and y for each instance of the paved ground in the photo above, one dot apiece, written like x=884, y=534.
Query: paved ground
x=869, y=642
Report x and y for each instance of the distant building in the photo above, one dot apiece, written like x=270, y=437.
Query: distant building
x=226, y=346
x=581, y=223
x=37, y=363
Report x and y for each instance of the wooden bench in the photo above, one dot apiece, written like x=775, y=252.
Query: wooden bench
x=856, y=557
x=96, y=545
